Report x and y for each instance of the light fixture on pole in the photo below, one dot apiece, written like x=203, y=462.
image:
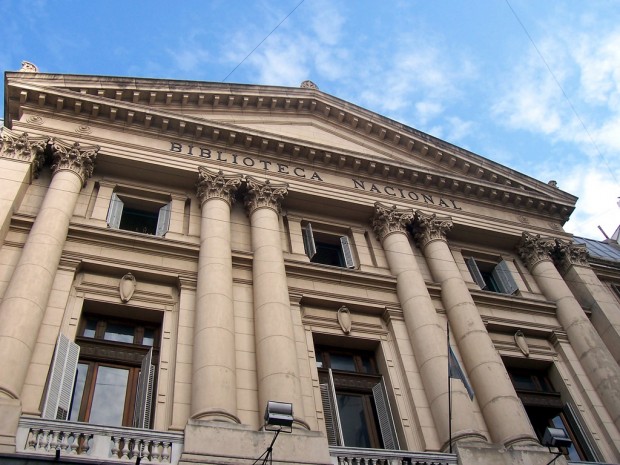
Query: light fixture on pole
x=278, y=418
x=556, y=437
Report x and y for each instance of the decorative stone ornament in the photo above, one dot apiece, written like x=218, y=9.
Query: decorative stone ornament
x=388, y=220
x=568, y=254
x=24, y=147
x=430, y=228
x=217, y=185
x=28, y=67
x=264, y=194
x=533, y=249
x=308, y=85
x=522, y=343
x=344, y=319
x=80, y=160
x=127, y=287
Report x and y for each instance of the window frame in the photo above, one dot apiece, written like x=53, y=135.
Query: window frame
x=327, y=239
x=118, y=201
x=492, y=276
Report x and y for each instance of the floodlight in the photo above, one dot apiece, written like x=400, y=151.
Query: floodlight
x=280, y=415
x=556, y=437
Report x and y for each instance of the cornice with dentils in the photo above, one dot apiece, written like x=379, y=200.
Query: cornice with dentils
x=154, y=105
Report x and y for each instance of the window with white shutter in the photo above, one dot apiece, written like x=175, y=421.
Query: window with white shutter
x=327, y=248
x=61, y=380
x=356, y=406
x=137, y=214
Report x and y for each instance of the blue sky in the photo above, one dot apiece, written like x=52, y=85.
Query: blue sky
x=464, y=71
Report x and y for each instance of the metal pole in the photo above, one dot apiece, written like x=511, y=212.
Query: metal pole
x=449, y=388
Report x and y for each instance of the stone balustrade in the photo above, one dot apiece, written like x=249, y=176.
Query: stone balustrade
x=38, y=436
x=355, y=456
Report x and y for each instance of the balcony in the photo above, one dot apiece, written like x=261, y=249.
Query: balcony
x=82, y=441
x=355, y=456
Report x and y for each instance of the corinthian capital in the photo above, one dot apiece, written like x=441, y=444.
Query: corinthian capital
x=24, y=148
x=80, y=160
x=212, y=185
x=389, y=220
x=568, y=254
x=264, y=194
x=534, y=249
x=430, y=228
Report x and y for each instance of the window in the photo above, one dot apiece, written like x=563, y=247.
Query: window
x=355, y=403
x=544, y=408
x=327, y=249
x=494, y=277
x=107, y=376
x=138, y=215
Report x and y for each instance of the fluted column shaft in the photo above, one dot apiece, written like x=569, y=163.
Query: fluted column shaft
x=503, y=412
x=278, y=373
x=597, y=361
x=426, y=334
x=214, y=380
x=27, y=294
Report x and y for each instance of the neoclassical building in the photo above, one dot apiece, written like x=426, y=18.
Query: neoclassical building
x=174, y=255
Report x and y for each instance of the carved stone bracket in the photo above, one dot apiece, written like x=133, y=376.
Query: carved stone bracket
x=264, y=194
x=429, y=228
x=80, y=160
x=568, y=254
x=24, y=147
x=217, y=185
x=534, y=249
x=388, y=220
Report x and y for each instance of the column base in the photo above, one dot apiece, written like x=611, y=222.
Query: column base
x=217, y=415
x=226, y=443
x=491, y=454
x=10, y=411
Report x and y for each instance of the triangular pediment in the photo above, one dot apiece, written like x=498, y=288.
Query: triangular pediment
x=303, y=123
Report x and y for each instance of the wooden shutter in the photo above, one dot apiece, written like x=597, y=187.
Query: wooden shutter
x=62, y=378
x=309, y=244
x=384, y=414
x=163, y=220
x=475, y=272
x=330, y=412
x=504, y=279
x=144, y=393
x=115, y=211
x=347, y=252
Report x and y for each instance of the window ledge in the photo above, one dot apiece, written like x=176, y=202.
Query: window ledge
x=343, y=455
x=42, y=437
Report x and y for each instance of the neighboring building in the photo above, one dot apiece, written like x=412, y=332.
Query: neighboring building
x=176, y=254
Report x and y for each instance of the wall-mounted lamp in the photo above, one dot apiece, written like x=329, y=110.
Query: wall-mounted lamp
x=556, y=437
x=279, y=416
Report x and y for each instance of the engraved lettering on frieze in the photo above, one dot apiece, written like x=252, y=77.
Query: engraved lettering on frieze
x=389, y=220
x=213, y=184
x=24, y=147
x=264, y=194
x=80, y=160
x=430, y=228
x=405, y=194
x=534, y=249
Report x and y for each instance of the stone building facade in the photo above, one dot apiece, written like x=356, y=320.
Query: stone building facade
x=176, y=254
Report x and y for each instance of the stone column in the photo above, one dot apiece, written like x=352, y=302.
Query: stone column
x=427, y=336
x=21, y=158
x=503, y=412
x=214, y=384
x=591, y=293
x=26, y=296
x=597, y=361
x=276, y=356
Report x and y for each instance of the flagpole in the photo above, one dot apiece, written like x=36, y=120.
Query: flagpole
x=449, y=387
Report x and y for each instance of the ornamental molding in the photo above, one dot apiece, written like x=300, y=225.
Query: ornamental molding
x=534, y=249
x=388, y=220
x=430, y=227
x=568, y=254
x=24, y=147
x=451, y=168
x=28, y=67
x=74, y=157
x=264, y=194
x=217, y=185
